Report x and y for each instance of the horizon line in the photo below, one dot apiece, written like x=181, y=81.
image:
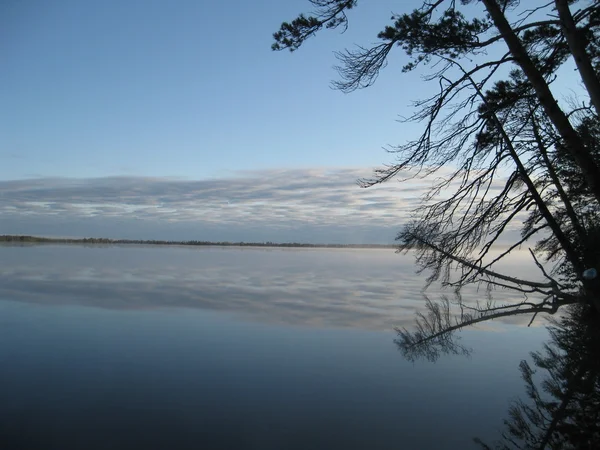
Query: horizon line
x=190, y=242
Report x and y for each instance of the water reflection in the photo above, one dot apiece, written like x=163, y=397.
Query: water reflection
x=76, y=377
x=561, y=409
x=367, y=289
x=160, y=354
x=433, y=332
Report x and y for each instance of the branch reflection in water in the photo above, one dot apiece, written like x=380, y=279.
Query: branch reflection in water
x=561, y=406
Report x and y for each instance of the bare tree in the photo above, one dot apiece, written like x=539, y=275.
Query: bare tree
x=497, y=122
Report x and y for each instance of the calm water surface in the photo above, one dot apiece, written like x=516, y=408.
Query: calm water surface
x=171, y=347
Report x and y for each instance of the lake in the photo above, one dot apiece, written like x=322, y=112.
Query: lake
x=123, y=347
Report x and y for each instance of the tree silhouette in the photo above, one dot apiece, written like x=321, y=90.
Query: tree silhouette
x=519, y=158
x=434, y=332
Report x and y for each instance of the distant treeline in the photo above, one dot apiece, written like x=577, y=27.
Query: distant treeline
x=41, y=240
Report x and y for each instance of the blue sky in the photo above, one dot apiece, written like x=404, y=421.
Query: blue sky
x=183, y=88
x=150, y=91
x=140, y=95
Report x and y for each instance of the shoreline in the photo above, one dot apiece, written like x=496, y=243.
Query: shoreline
x=24, y=239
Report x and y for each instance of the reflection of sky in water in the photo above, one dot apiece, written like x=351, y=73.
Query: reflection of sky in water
x=75, y=377
x=158, y=364
x=371, y=289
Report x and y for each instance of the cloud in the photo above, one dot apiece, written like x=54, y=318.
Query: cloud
x=291, y=200
x=308, y=205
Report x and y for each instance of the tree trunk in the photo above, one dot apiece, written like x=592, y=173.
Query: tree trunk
x=577, y=48
x=579, y=229
x=573, y=256
x=582, y=157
